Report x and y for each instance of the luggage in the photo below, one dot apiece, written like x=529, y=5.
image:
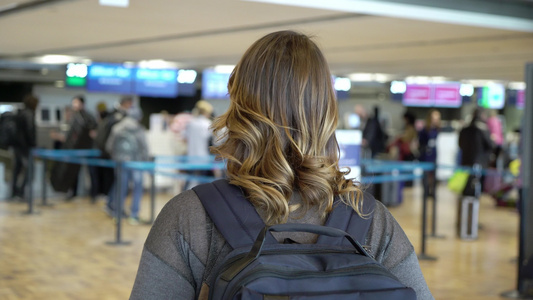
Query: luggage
x=63, y=176
x=336, y=267
x=468, y=208
x=391, y=193
x=469, y=218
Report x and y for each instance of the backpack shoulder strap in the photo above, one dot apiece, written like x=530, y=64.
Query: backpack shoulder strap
x=346, y=218
x=233, y=215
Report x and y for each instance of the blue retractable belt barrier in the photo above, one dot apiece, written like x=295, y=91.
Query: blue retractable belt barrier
x=199, y=178
x=383, y=171
x=385, y=166
x=472, y=170
x=186, y=159
x=138, y=165
x=388, y=178
x=66, y=152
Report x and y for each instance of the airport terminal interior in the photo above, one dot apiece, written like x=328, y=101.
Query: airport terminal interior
x=421, y=71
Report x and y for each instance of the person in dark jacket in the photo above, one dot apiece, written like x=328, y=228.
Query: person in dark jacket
x=26, y=141
x=82, y=127
x=476, y=146
x=475, y=142
x=374, y=138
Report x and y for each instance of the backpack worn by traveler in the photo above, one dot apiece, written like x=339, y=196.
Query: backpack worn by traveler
x=10, y=123
x=336, y=267
x=127, y=141
x=104, y=130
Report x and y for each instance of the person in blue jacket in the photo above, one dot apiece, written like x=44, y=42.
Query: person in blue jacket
x=427, y=142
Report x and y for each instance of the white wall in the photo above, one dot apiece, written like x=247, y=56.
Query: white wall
x=61, y=97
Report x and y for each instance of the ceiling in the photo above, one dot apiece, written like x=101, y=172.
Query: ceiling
x=202, y=33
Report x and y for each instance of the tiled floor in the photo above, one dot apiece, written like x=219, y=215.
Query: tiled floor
x=61, y=252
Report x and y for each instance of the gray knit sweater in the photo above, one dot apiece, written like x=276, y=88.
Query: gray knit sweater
x=184, y=246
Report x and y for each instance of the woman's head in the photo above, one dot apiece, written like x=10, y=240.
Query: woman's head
x=31, y=102
x=281, y=124
x=284, y=80
x=478, y=115
x=203, y=108
x=433, y=119
x=409, y=119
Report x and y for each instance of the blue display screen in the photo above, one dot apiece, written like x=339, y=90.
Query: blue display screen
x=156, y=83
x=113, y=78
x=215, y=85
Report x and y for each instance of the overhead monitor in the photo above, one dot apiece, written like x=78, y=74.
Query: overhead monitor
x=111, y=78
x=215, y=85
x=76, y=75
x=156, y=83
x=446, y=94
x=417, y=95
x=342, y=87
x=186, y=83
x=491, y=96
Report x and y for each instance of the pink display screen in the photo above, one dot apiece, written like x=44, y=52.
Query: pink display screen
x=433, y=95
x=521, y=99
x=417, y=95
x=447, y=95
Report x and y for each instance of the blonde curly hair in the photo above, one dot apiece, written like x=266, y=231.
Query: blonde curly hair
x=278, y=134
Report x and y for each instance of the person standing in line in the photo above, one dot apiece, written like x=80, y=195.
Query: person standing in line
x=27, y=139
x=495, y=128
x=374, y=137
x=127, y=142
x=427, y=141
x=199, y=136
x=406, y=140
x=82, y=128
x=108, y=120
x=279, y=143
x=475, y=144
x=96, y=172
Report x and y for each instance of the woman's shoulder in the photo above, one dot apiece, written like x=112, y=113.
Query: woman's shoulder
x=389, y=243
x=181, y=209
x=183, y=218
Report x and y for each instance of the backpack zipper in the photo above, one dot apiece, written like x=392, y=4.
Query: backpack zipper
x=284, y=274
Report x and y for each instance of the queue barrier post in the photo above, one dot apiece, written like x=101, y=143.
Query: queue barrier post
x=425, y=196
x=431, y=185
x=44, y=199
x=152, y=196
x=29, y=184
x=119, y=169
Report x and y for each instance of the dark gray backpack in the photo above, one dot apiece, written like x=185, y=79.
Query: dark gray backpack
x=10, y=130
x=337, y=267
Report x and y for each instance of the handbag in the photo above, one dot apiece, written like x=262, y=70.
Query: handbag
x=457, y=182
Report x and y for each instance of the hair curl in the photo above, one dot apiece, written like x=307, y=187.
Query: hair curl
x=279, y=131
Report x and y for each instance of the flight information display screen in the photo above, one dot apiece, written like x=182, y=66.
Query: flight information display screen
x=215, y=85
x=110, y=78
x=156, y=83
x=491, y=96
